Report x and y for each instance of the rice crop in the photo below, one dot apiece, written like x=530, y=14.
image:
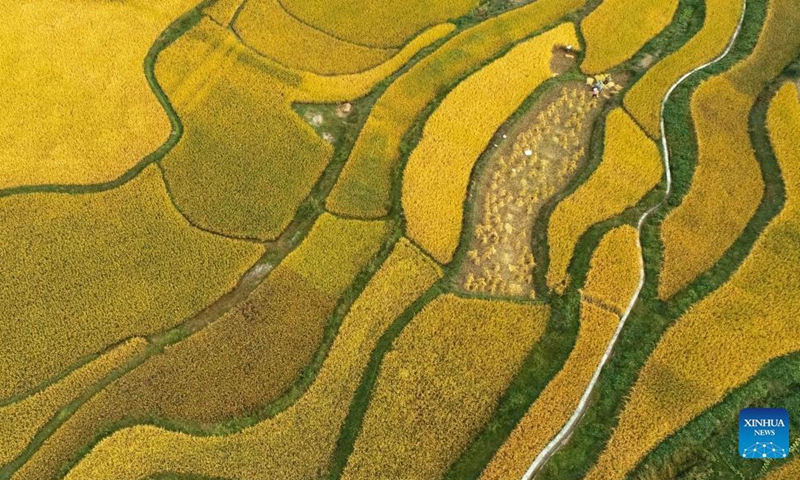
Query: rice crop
x=94, y=269
x=438, y=171
x=748, y=321
x=631, y=166
x=558, y=400
x=78, y=108
x=439, y=384
x=298, y=442
x=365, y=184
x=617, y=29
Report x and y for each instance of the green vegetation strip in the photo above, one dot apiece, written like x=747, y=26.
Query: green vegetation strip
x=177, y=28
x=651, y=317
x=707, y=447
x=297, y=230
x=674, y=450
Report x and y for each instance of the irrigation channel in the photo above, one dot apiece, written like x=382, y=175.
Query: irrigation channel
x=566, y=431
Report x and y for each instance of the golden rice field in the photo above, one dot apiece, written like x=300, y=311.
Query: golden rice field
x=372, y=23
x=77, y=108
x=458, y=131
x=643, y=101
x=555, y=404
x=614, y=270
x=719, y=203
x=361, y=240
x=635, y=23
x=365, y=185
x=439, y=383
x=631, y=166
x=747, y=322
x=98, y=268
x=270, y=29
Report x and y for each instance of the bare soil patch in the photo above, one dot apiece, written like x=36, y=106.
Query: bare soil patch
x=532, y=161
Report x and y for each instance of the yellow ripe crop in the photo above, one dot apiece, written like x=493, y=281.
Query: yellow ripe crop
x=299, y=442
x=727, y=186
x=320, y=88
x=790, y=471
x=749, y=321
x=437, y=174
x=20, y=421
x=256, y=351
x=614, y=271
x=440, y=383
x=643, y=100
x=363, y=189
x=617, y=29
x=631, y=167
x=372, y=22
x=246, y=160
x=558, y=400
x=268, y=28
x=77, y=106
x=94, y=269
x=222, y=11
x=725, y=192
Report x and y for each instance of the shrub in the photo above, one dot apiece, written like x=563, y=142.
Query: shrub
x=617, y=29
x=78, y=109
x=298, y=442
x=94, y=269
x=558, y=400
x=437, y=175
x=727, y=186
x=643, y=100
x=439, y=384
x=376, y=23
x=364, y=187
x=749, y=321
x=631, y=166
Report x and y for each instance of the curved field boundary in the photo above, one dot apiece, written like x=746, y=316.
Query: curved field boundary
x=366, y=16
x=743, y=321
x=271, y=30
x=635, y=23
x=368, y=183
x=712, y=436
x=458, y=131
x=566, y=431
x=177, y=28
x=300, y=439
x=308, y=211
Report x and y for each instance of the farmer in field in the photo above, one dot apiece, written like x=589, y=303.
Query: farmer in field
x=597, y=88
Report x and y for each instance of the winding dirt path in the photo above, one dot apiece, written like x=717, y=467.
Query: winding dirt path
x=566, y=431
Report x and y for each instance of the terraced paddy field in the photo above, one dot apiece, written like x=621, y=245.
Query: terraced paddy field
x=410, y=240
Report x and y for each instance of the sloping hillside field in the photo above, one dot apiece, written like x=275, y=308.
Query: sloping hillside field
x=407, y=240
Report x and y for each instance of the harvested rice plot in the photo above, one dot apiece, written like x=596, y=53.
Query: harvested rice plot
x=537, y=158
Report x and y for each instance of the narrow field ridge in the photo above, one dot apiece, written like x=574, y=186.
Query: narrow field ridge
x=566, y=431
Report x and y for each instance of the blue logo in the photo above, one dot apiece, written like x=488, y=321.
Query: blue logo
x=763, y=433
